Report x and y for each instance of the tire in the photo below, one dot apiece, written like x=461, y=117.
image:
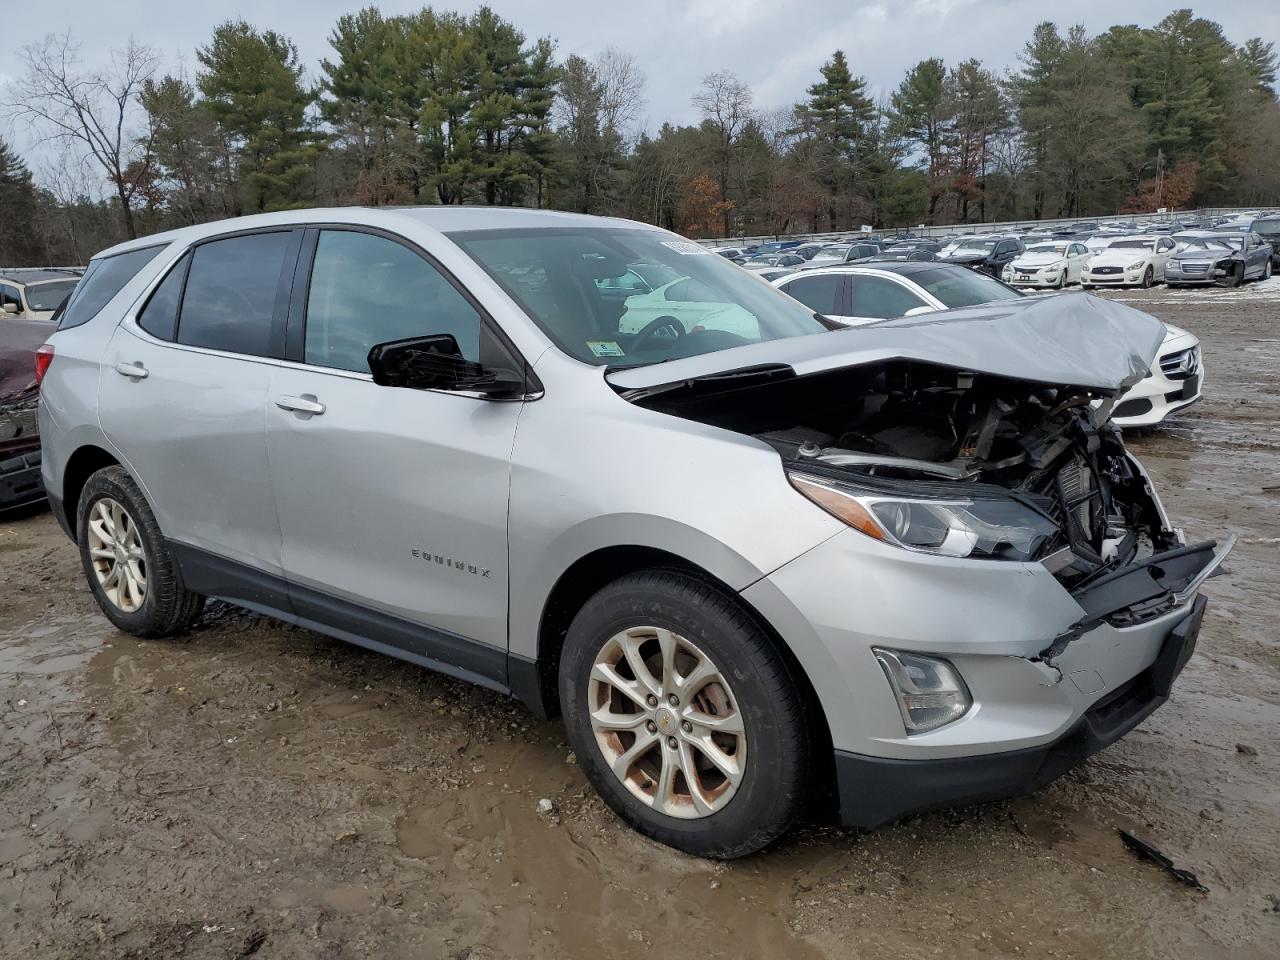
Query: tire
x=1236, y=278
x=1148, y=278
x=1085, y=286
x=760, y=695
x=166, y=607
x=1266, y=271
x=1062, y=281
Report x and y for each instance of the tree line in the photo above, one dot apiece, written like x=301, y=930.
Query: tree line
x=437, y=107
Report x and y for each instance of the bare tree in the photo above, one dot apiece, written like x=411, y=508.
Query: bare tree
x=92, y=109
x=725, y=102
x=622, y=85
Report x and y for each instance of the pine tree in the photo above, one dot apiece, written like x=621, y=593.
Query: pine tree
x=19, y=243
x=837, y=118
x=252, y=84
x=920, y=112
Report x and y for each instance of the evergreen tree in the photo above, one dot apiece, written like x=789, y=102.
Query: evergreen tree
x=921, y=113
x=19, y=242
x=252, y=84
x=837, y=117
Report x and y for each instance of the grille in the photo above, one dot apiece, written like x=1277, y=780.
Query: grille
x=1107, y=270
x=1181, y=364
x=1194, y=269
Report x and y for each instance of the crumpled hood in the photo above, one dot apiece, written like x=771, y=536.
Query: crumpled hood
x=1073, y=339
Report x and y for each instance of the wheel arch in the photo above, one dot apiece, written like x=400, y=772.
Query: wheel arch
x=81, y=465
x=594, y=570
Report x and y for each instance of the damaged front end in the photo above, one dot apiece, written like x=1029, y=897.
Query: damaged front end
x=975, y=461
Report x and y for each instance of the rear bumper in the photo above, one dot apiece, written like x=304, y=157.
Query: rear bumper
x=878, y=790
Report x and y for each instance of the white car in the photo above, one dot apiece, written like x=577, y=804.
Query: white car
x=690, y=303
x=1129, y=262
x=1054, y=263
x=859, y=295
x=1175, y=382
x=32, y=294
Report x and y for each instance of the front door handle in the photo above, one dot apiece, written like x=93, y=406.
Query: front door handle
x=134, y=371
x=304, y=404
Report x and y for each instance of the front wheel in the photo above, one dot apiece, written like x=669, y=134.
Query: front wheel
x=1148, y=278
x=129, y=567
x=1266, y=271
x=684, y=716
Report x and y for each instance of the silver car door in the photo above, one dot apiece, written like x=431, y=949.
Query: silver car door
x=392, y=501
x=182, y=393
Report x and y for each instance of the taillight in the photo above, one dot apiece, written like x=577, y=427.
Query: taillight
x=44, y=357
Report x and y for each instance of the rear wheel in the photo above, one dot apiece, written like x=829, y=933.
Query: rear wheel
x=129, y=567
x=684, y=716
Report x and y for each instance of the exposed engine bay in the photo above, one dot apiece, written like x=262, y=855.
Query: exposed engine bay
x=939, y=432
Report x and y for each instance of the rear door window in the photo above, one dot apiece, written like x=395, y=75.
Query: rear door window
x=881, y=299
x=820, y=294
x=105, y=278
x=231, y=293
x=160, y=316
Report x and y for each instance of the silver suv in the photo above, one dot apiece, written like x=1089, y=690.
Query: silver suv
x=759, y=566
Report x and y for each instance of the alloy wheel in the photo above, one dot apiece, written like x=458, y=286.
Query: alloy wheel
x=118, y=557
x=666, y=722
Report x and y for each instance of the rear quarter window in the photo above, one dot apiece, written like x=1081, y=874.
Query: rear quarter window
x=105, y=278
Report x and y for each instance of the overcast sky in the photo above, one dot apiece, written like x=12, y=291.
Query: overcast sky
x=776, y=46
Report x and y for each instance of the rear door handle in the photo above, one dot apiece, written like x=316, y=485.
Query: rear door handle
x=301, y=405
x=134, y=371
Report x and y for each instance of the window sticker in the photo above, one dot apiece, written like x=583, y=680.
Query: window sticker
x=685, y=248
x=605, y=348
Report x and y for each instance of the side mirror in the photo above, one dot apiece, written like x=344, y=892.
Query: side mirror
x=10, y=308
x=436, y=363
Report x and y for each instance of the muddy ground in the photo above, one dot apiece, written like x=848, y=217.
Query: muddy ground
x=257, y=789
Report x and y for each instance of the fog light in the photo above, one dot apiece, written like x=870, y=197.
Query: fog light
x=929, y=690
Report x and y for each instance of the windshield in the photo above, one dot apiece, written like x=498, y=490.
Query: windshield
x=975, y=246
x=1058, y=248
x=1132, y=245
x=49, y=296
x=958, y=287
x=1200, y=243
x=832, y=253
x=566, y=281
x=1267, y=228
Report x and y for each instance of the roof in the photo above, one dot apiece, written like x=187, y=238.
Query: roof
x=450, y=218
x=19, y=275
x=443, y=219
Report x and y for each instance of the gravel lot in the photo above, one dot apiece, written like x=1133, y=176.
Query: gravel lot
x=256, y=789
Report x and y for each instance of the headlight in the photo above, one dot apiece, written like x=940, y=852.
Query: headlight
x=929, y=690
x=1138, y=265
x=979, y=527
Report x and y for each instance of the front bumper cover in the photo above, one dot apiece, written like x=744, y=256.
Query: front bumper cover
x=878, y=790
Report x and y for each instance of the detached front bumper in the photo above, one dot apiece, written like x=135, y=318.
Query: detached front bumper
x=874, y=791
x=1053, y=677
